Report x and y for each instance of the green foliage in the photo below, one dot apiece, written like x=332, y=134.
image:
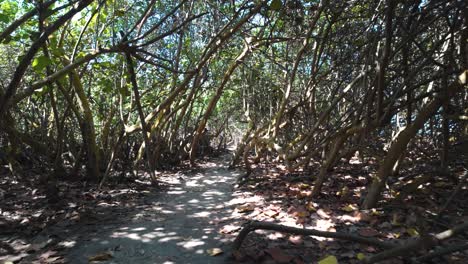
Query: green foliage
x=40, y=63
x=276, y=5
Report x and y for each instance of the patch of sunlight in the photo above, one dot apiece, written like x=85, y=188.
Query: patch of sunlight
x=210, y=181
x=151, y=235
x=176, y=192
x=201, y=214
x=243, y=200
x=133, y=236
x=210, y=164
x=212, y=193
x=180, y=207
x=194, y=201
x=168, y=262
x=146, y=238
x=199, y=251
x=138, y=229
x=169, y=238
x=191, y=244
x=67, y=244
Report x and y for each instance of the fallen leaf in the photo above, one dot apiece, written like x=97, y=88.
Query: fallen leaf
x=310, y=207
x=100, y=257
x=329, y=260
x=322, y=214
x=278, y=255
x=368, y=232
x=301, y=214
x=360, y=256
x=214, y=252
x=363, y=216
x=412, y=232
x=371, y=249
x=296, y=240
x=349, y=208
x=245, y=208
x=305, y=193
x=270, y=213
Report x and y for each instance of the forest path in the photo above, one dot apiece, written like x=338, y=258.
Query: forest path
x=175, y=226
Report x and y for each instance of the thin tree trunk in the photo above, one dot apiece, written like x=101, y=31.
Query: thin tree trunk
x=404, y=138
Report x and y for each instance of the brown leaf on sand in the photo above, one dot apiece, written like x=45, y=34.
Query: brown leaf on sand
x=103, y=256
x=278, y=255
x=245, y=208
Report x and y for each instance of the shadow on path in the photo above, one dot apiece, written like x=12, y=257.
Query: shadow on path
x=177, y=226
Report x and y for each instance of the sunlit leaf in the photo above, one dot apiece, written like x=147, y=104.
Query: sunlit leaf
x=214, y=251
x=329, y=260
x=40, y=63
x=412, y=232
x=360, y=256
x=245, y=208
x=310, y=207
x=349, y=208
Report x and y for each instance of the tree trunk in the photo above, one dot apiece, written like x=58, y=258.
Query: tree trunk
x=405, y=136
x=87, y=126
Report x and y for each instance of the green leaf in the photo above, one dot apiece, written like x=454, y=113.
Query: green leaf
x=329, y=260
x=124, y=91
x=412, y=232
x=4, y=18
x=276, y=5
x=361, y=256
x=40, y=63
x=120, y=12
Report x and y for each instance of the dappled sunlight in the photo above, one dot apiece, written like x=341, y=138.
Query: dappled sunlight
x=185, y=220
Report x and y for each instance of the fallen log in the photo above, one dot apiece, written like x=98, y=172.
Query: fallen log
x=425, y=242
x=392, y=249
x=256, y=225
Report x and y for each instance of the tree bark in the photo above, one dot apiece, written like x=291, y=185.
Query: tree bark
x=405, y=136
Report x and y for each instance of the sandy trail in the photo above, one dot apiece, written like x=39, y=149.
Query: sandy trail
x=176, y=226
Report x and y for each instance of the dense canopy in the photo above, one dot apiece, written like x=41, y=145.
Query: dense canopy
x=91, y=90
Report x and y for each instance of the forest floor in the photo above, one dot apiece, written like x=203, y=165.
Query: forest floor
x=196, y=213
